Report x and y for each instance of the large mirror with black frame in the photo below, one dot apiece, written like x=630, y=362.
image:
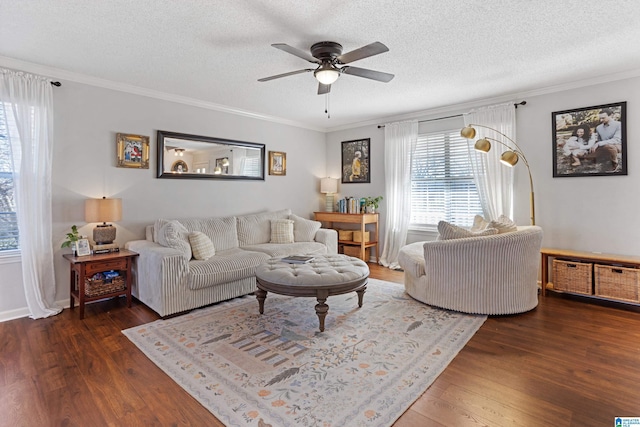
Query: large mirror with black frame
x=187, y=156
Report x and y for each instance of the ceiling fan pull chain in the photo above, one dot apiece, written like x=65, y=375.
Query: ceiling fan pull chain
x=326, y=106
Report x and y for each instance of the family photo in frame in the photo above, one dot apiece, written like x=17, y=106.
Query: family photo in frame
x=590, y=141
x=355, y=161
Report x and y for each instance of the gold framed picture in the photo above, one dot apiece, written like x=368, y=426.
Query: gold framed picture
x=277, y=163
x=132, y=151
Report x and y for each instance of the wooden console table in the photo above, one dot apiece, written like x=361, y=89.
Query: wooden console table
x=363, y=219
x=579, y=256
x=83, y=267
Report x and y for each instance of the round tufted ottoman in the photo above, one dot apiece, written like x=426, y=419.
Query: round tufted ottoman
x=321, y=277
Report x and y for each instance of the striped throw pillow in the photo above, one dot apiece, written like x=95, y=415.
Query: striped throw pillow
x=449, y=231
x=201, y=246
x=281, y=231
x=174, y=235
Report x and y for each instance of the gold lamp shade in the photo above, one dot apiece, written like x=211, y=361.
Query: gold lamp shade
x=468, y=132
x=509, y=158
x=482, y=145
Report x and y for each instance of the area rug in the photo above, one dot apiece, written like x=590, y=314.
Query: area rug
x=367, y=367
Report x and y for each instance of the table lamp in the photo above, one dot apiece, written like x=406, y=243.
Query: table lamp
x=103, y=210
x=329, y=186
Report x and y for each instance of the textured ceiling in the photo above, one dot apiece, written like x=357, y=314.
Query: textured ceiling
x=441, y=52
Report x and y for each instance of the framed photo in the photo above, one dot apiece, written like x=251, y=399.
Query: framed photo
x=133, y=151
x=355, y=161
x=277, y=163
x=590, y=141
x=82, y=247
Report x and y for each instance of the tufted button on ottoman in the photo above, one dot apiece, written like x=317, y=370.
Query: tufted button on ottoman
x=323, y=276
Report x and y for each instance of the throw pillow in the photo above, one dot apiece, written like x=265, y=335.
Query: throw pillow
x=201, y=246
x=175, y=235
x=281, y=231
x=503, y=224
x=449, y=231
x=479, y=224
x=304, y=230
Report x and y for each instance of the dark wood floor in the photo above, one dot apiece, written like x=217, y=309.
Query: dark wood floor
x=566, y=363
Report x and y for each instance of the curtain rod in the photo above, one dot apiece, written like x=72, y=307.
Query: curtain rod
x=455, y=115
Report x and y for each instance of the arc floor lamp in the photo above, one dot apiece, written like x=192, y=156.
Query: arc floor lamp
x=508, y=158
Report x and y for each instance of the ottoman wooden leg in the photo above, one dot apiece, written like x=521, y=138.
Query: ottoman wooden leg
x=261, y=296
x=322, y=308
x=361, y=295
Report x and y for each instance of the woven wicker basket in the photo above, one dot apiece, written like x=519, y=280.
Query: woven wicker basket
x=94, y=288
x=571, y=276
x=617, y=282
x=357, y=236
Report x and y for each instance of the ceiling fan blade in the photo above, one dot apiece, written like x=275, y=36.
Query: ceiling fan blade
x=323, y=89
x=368, y=74
x=291, y=73
x=364, y=52
x=297, y=52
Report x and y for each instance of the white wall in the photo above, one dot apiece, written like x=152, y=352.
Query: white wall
x=86, y=121
x=587, y=213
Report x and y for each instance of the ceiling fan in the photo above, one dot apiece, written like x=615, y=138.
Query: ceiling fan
x=331, y=63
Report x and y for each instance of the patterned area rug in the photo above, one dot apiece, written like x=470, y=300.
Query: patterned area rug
x=367, y=367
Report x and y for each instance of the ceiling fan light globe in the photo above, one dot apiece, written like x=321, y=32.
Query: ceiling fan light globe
x=326, y=76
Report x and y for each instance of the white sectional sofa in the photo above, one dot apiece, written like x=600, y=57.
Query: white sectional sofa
x=169, y=280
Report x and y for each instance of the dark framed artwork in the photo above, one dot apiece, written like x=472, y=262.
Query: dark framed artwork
x=355, y=161
x=590, y=141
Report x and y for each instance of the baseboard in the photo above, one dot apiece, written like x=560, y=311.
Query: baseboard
x=5, y=316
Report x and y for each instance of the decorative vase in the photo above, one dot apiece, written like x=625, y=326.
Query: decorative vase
x=370, y=209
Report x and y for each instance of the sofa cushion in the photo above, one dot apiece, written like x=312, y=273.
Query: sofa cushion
x=297, y=248
x=503, y=224
x=449, y=231
x=173, y=234
x=304, y=230
x=256, y=229
x=226, y=266
x=281, y=231
x=223, y=232
x=201, y=245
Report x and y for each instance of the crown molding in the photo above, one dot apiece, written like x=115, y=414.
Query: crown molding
x=515, y=97
x=60, y=74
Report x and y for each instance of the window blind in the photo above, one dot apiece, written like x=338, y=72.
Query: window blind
x=442, y=185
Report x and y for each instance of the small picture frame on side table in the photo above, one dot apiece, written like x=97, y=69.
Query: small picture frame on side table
x=83, y=247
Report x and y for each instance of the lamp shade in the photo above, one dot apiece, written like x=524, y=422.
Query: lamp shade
x=509, y=158
x=102, y=210
x=326, y=74
x=483, y=145
x=329, y=185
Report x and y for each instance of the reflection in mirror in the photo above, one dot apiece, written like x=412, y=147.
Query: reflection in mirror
x=182, y=155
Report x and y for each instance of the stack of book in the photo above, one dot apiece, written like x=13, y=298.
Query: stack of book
x=104, y=248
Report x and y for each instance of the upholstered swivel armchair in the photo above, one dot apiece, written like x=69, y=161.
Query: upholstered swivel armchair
x=495, y=274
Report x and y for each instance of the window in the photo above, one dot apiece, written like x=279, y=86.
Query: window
x=442, y=185
x=8, y=218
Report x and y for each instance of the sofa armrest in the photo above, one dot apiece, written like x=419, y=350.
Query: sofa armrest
x=329, y=238
x=159, y=273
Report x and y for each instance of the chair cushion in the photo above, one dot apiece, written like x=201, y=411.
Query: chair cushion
x=449, y=231
x=479, y=224
x=503, y=224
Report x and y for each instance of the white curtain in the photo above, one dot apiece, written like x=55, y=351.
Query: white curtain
x=28, y=100
x=493, y=180
x=399, y=144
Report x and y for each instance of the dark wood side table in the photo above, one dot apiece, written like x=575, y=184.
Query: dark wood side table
x=83, y=267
